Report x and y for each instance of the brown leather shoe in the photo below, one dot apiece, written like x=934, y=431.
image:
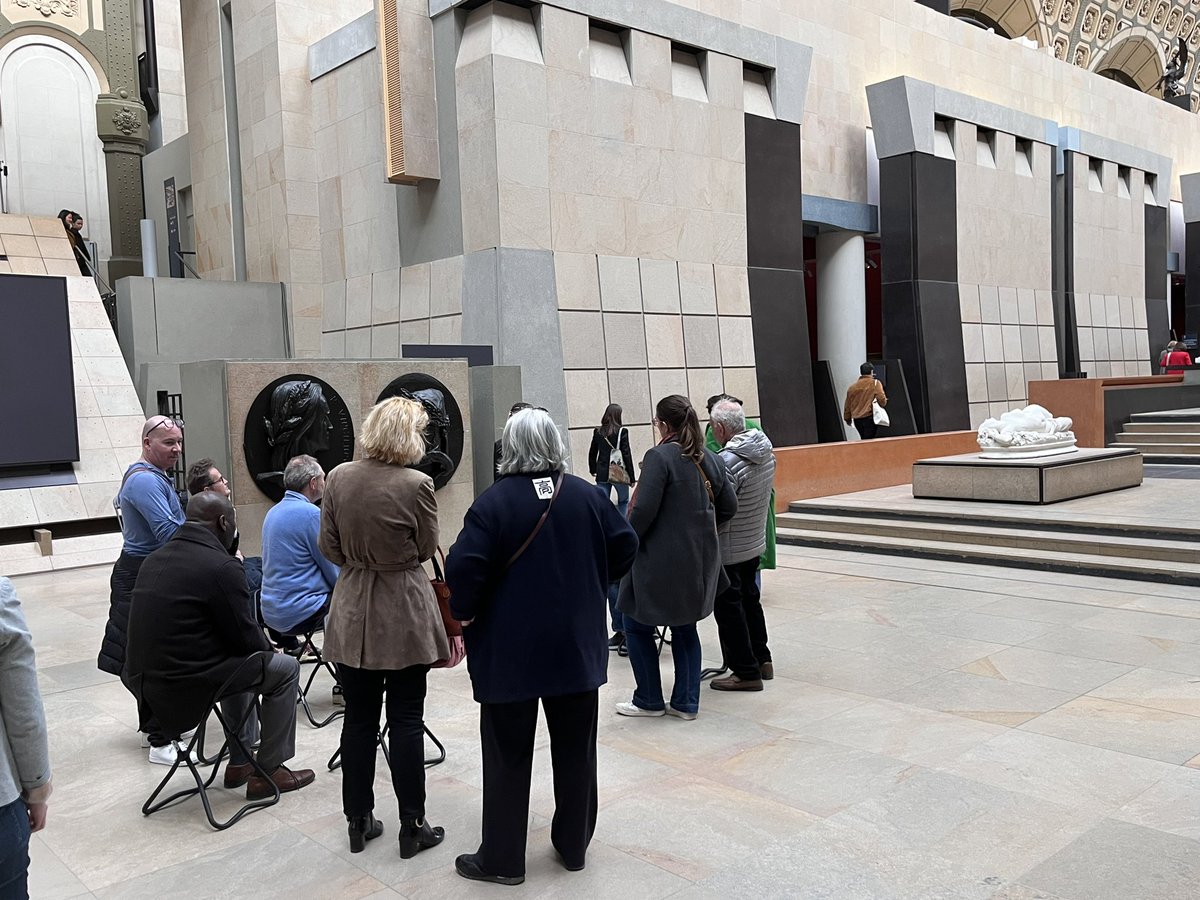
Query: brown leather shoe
x=733, y=683
x=768, y=671
x=259, y=788
x=237, y=775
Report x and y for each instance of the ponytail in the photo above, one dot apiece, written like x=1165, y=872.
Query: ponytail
x=677, y=413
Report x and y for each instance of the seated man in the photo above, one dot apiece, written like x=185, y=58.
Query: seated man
x=191, y=626
x=297, y=579
x=203, y=475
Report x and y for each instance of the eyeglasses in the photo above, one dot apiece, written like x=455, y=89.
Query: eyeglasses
x=176, y=422
x=221, y=480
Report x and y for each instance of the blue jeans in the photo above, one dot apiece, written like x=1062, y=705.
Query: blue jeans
x=643, y=656
x=14, y=851
x=618, y=620
x=622, y=494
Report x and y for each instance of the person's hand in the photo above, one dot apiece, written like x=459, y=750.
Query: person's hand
x=465, y=622
x=238, y=554
x=37, y=815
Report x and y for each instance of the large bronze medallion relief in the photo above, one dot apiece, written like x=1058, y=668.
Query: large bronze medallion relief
x=291, y=416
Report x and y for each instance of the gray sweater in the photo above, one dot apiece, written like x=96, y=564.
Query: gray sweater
x=24, y=748
x=751, y=463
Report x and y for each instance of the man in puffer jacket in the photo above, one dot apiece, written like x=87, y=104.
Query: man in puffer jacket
x=740, y=622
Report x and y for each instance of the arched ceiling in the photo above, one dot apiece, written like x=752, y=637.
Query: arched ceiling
x=1134, y=37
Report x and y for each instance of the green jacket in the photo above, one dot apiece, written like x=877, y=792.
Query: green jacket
x=767, y=560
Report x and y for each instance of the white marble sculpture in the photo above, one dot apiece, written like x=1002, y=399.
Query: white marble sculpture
x=1027, y=432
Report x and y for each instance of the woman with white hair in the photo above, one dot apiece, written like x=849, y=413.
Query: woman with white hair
x=529, y=578
x=379, y=522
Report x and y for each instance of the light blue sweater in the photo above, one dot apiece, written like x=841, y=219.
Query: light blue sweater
x=150, y=510
x=24, y=748
x=297, y=579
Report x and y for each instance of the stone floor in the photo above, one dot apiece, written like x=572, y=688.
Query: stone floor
x=935, y=730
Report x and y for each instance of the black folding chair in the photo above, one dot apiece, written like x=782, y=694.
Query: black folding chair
x=318, y=662
x=335, y=761
x=196, y=744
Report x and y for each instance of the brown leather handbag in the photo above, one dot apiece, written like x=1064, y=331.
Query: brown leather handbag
x=441, y=590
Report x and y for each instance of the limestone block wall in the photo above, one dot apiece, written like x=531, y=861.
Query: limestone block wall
x=628, y=163
x=172, y=93
x=1110, y=267
x=371, y=305
x=1005, y=238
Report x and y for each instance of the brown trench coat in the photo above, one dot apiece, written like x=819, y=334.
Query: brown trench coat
x=379, y=523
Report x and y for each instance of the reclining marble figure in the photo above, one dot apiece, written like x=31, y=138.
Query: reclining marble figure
x=1031, y=431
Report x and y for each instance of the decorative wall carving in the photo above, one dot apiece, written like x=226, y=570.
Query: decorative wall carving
x=50, y=8
x=1090, y=33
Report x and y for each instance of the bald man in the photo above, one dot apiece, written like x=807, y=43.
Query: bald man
x=191, y=628
x=149, y=512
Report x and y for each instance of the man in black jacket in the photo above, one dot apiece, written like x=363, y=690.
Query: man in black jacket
x=192, y=626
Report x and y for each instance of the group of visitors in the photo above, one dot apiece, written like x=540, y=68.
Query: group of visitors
x=344, y=552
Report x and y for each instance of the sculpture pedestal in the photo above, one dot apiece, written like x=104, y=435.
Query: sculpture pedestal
x=1183, y=101
x=1040, y=480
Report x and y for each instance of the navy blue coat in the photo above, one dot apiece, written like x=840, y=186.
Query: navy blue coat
x=540, y=628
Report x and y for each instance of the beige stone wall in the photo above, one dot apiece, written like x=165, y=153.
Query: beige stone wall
x=1110, y=268
x=1005, y=240
x=370, y=305
x=206, y=118
x=172, y=93
x=861, y=42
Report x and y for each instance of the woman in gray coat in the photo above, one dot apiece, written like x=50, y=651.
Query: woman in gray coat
x=683, y=495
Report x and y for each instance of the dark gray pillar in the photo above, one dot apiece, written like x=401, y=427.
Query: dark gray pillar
x=1158, y=316
x=775, y=253
x=922, y=325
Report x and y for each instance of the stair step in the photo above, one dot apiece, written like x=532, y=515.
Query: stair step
x=1180, y=415
x=1170, y=552
x=1076, y=563
x=1175, y=449
x=1024, y=518
x=1172, y=427
x=1159, y=437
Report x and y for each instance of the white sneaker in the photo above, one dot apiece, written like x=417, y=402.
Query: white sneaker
x=339, y=698
x=628, y=709
x=187, y=736
x=166, y=756
x=680, y=714
x=143, y=740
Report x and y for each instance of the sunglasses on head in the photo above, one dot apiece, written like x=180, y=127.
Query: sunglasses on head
x=175, y=421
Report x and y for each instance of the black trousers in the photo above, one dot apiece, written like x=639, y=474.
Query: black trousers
x=507, y=733
x=741, y=625
x=866, y=427
x=363, y=691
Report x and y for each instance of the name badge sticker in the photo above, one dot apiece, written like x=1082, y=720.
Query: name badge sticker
x=544, y=488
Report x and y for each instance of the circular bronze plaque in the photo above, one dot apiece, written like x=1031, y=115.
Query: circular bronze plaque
x=444, y=436
x=294, y=415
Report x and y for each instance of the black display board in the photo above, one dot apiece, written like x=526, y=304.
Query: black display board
x=38, y=425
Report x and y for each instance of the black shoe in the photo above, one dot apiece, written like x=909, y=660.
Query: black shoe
x=467, y=866
x=623, y=650
x=363, y=829
x=617, y=641
x=570, y=867
x=416, y=835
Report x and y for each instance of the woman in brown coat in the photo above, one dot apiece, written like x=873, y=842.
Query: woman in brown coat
x=379, y=523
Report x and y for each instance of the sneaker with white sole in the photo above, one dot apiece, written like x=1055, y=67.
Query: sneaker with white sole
x=339, y=698
x=166, y=755
x=680, y=714
x=143, y=740
x=628, y=709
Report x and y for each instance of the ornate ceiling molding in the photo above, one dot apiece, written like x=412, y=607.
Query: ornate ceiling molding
x=1132, y=37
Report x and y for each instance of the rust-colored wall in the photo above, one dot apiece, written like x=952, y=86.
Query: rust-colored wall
x=819, y=470
x=1083, y=400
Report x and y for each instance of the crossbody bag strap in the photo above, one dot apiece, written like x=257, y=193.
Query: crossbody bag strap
x=707, y=483
x=538, y=527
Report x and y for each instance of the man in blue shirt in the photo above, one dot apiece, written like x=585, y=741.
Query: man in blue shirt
x=297, y=580
x=150, y=513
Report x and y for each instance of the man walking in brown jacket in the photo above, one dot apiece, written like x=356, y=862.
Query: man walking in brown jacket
x=858, y=401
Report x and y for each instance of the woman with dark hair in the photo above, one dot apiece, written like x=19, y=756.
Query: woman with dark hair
x=684, y=494
x=609, y=458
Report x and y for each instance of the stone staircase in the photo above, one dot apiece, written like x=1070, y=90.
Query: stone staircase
x=1171, y=437
x=1032, y=539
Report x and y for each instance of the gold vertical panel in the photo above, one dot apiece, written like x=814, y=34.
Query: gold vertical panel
x=393, y=114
